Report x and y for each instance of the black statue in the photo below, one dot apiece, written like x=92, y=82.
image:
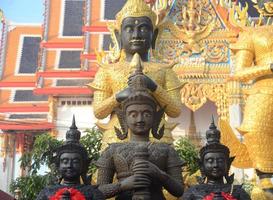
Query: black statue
x=214, y=165
x=72, y=162
x=142, y=168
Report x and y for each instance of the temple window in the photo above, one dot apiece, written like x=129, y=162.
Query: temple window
x=111, y=9
x=72, y=82
x=28, y=55
x=106, y=41
x=28, y=96
x=28, y=116
x=72, y=18
x=69, y=60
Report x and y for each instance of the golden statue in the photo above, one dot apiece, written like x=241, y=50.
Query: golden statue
x=134, y=32
x=254, y=58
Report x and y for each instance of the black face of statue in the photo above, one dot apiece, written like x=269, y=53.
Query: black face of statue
x=70, y=166
x=136, y=35
x=140, y=118
x=215, y=166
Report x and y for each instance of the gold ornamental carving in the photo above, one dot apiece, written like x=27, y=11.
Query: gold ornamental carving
x=194, y=96
x=191, y=28
x=216, y=52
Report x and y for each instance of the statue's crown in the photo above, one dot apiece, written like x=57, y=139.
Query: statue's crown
x=73, y=135
x=135, y=8
x=213, y=135
x=213, y=142
x=140, y=94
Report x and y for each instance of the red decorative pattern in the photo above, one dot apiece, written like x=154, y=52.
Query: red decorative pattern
x=152, y=2
x=227, y=196
x=74, y=194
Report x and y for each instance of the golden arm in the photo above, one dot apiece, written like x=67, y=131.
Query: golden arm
x=103, y=104
x=104, y=100
x=245, y=71
x=169, y=96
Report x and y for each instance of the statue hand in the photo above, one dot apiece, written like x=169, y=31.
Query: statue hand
x=123, y=94
x=135, y=182
x=150, y=84
x=147, y=168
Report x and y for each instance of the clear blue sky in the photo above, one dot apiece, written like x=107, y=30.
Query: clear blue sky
x=23, y=11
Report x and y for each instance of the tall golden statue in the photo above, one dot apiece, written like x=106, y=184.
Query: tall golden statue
x=134, y=32
x=254, y=62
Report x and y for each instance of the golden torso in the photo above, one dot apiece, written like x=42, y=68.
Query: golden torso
x=112, y=78
x=254, y=50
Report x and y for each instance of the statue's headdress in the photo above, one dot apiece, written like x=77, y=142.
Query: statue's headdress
x=213, y=145
x=135, y=8
x=140, y=95
x=72, y=145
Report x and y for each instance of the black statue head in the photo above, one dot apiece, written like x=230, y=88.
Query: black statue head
x=139, y=111
x=71, y=158
x=136, y=28
x=136, y=36
x=215, y=160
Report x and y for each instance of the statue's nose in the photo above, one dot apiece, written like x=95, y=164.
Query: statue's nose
x=135, y=33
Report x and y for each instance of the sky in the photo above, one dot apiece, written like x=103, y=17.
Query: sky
x=23, y=11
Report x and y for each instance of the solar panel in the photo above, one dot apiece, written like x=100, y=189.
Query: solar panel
x=29, y=56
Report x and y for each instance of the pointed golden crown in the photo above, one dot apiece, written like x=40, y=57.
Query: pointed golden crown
x=135, y=8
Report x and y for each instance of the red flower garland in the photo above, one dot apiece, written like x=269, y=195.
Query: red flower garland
x=227, y=196
x=74, y=193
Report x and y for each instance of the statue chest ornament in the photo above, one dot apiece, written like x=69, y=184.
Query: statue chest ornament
x=124, y=155
x=225, y=196
x=215, y=192
x=74, y=194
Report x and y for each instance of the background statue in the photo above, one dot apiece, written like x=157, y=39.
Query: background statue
x=254, y=58
x=214, y=165
x=72, y=162
x=134, y=32
x=142, y=168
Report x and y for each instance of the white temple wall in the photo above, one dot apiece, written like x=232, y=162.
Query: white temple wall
x=7, y=171
x=83, y=114
x=202, y=119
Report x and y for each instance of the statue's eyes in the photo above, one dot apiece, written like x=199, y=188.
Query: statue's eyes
x=147, y=114
x=210, y=160
x=64, y=161
x=220, y=160
x=76, y=161
x=133, y=114
x=144, y=29
x=128, y=29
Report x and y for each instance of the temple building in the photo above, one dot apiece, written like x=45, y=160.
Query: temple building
x=44, y=69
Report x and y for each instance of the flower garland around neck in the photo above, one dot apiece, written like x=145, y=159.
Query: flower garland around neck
x=74, y=194
x=226, y=196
